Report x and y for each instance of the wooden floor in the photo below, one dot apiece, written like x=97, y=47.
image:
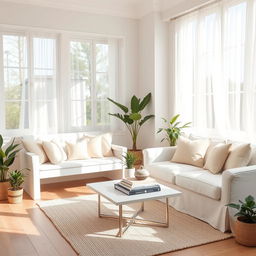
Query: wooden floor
x=26, y=231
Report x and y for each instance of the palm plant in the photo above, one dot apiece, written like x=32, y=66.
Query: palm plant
x=7, y=158
x=133, y=118
x=174, y=130
x=16, y=179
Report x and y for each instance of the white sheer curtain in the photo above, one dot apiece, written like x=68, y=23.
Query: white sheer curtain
x=44, y=102
x=215, y=63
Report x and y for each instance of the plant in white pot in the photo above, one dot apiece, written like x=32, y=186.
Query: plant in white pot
x=129, y=161
x=7, y=157
x=245, y=225
x=15, y=192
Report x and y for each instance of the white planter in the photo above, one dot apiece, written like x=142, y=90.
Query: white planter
x=129, y=173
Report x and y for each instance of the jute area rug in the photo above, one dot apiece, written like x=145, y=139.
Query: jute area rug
x=77, y=221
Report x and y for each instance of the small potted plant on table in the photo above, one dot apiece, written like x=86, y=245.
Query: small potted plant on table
x=245, y=225
x=7, y=157
x=129, y=161
x=15, y=192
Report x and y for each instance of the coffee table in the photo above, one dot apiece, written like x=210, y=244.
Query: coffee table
x=107, y=190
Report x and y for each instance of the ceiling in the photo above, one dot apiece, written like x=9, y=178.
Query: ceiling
x=123, y=8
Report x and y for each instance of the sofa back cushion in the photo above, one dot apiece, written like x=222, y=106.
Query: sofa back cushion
x=78, y=150
x=239, y=156
x=190, y=151
x=217, y=157
x=53, y=152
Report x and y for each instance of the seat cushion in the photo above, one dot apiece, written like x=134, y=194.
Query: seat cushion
x=80, y=163
x=202, y=182
x=167, y=170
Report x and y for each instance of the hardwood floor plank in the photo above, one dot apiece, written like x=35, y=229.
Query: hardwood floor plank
x=26, y=231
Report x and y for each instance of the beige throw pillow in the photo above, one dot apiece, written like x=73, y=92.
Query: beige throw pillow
x=35, y=147
x=53, y=152
x=190, y=151
x=62, y=147
x=239, y=156
x=77, y=151
x=95, y=146
x=106, y=144
x=217, y=157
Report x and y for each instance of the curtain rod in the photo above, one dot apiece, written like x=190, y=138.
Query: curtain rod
x=195, y=9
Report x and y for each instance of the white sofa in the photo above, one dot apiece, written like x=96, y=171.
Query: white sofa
x=204, y=195
x=75, y=167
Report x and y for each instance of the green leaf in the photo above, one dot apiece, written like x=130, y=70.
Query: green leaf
x=135, y=104
x=1, y=140
x=135, y=116
x=2, y=154
x=145, y=101
x=119, y=116
x=146, y=118
x=128, y=119
x=235, y=206
x=174, y=119
x=9, y=161
x=159, y=130
x=249, y=199
x=124, y=108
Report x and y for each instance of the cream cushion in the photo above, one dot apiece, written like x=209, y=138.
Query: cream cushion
x=190, y=151
x=77, y=151
x=53, y=152
x=95, y=147
x=62, y=147
x=239, y=156
x=106, y=144
x=36, y=147
x=217, y=157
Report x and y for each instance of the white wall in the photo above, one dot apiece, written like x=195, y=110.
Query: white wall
x=153, y=75
x=57, y=19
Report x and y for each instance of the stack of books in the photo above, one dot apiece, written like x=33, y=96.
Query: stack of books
x=135, y=187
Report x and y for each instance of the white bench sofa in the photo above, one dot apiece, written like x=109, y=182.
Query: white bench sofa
x=66, y=168
x=204, y=195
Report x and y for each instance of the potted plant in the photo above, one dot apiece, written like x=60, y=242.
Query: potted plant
x=7, y=157
x=133, y=119
x=173, y=131
x=15, y=192
x=129, y=162
x=245, y=225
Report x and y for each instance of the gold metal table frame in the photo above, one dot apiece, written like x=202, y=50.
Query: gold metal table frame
x=133, y=220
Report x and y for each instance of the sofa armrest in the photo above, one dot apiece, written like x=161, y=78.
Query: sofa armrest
x=119, y=151
x=238, y=183
x=152, y=155
x=32, y=182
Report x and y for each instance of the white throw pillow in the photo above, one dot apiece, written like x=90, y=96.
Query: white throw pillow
x=35, y=147
x=62, y=147
x=95, y=146
x=107, y=144
x=190, y=151
x=239, y=156
x=217, y=157
x=53, y=152
x=77, y=151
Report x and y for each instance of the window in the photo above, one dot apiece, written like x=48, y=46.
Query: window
x=214, y=68
x=89, y=82
x=29, y=79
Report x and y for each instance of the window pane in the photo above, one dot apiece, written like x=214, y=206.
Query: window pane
x=102, y=86
x=81, y=113
x=16, y=83
x=15, y=51
x=102, y=57
x=103, y=109
x=16, y=115
x=45, y=117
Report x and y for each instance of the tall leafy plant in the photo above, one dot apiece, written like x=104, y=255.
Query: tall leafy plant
x=132, y=117
x=7, y=157
x=173, y=130
x=16, y=179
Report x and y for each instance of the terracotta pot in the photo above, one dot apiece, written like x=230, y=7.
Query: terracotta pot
x=129, y=173
x=4, y=190
x=245, y=233
x=15, y=196
x=139, y=156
